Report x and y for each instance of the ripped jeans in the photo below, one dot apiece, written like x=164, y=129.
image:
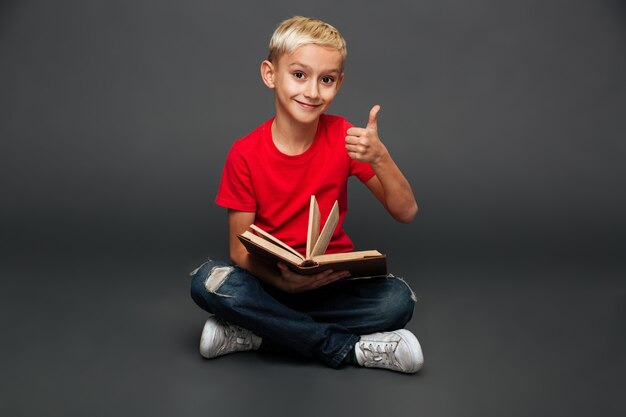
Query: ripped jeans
x=324, y=323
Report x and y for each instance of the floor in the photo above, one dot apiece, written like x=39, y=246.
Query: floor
x=116, y=334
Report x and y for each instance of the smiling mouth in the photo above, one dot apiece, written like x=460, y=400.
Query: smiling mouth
x=307, y=105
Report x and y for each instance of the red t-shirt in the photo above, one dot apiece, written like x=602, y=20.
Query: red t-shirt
x=258, y=178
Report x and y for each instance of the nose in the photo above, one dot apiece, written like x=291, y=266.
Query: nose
x=311, y=90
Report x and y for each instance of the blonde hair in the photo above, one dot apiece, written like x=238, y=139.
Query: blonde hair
x=299, y=31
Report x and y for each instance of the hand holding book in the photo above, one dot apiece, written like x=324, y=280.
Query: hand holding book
x=292, y=281
x=271, y=250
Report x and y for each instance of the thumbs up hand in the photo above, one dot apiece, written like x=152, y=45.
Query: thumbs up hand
x=363, y=144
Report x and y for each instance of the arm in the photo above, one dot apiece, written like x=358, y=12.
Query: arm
x=283, y=278
x=389, y=185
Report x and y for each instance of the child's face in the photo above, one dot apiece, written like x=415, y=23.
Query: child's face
x=305, y=82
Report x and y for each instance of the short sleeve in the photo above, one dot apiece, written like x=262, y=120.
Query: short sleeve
x=235, y=190
x=362, y=170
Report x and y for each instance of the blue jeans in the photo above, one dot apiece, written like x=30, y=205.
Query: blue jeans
x=324, y=323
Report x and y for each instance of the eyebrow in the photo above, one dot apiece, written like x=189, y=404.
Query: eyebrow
x=308, y=68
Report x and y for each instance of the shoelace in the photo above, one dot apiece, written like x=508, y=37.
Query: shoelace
x=379, y=356
x=236, y=335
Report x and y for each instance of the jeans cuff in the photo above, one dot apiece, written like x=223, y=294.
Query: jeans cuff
x=341, y=355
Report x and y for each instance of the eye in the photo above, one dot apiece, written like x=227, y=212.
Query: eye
x=328, y=80
x=299, y=75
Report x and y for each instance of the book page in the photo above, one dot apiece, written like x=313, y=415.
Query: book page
x=274, y=240
x=327, y=232
x=313, y=230
x=333, y=257
x=271, y=247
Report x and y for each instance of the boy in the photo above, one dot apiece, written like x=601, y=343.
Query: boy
x=268, y=179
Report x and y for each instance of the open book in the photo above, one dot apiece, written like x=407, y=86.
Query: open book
x=271, y=250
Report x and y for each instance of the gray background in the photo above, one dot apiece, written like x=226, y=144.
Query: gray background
x=507, y=118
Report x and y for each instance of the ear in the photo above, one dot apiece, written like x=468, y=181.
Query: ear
x=339, y=81
x=267, y=73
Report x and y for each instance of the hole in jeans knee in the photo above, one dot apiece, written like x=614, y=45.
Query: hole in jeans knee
x=217, y=277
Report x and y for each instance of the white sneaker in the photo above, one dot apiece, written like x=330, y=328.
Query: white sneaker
x=398, y=350
x=220, y=338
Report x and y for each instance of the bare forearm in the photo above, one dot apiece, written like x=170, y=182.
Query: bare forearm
x=389, y=186
x=398, y=195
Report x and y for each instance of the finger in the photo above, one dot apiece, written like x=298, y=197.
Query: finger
x=320, y=282
x=339, y=275
x=284, y=270
x=336, y=277
x=354, y=155
x=358, y=145
x=320, y=275
x=366, y=143
x=359, y=149
x=372, y=121
x=358, y=139
x=325, y=274
x=356, y=131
